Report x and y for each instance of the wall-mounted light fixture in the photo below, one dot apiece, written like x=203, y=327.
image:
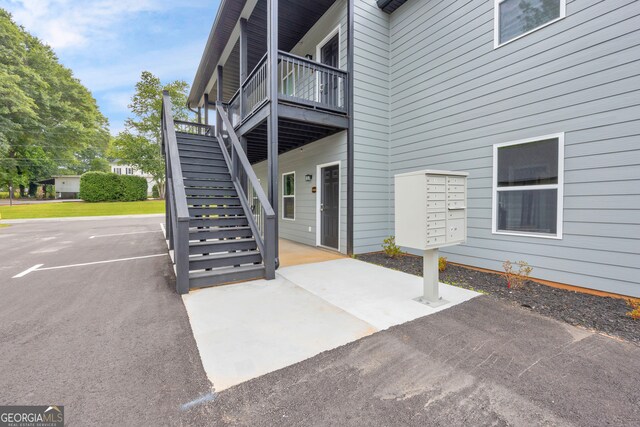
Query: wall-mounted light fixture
x=309, y=56
x=308, y=178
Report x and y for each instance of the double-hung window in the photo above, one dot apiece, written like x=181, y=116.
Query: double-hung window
x=527, y=187
x=289, y=195
x=515, y=18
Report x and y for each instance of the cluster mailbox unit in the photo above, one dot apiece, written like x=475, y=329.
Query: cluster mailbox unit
x=430, y=213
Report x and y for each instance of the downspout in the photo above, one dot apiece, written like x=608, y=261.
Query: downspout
x=350, y=130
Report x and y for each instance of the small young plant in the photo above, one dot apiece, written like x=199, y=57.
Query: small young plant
x=516, y=279
x=390, y=248
x=635, y=308
x=442, y=264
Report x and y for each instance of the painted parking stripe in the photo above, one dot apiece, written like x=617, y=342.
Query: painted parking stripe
x=199, y=401
x=37, y=267
x=122, y=234
x=27, y=271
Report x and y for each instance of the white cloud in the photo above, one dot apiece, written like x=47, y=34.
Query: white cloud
x=67, y=24
x=166, y=64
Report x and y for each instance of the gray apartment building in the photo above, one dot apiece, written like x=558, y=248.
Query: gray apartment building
x=307, y=110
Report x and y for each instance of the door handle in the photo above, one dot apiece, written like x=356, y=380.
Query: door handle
x=321, y=207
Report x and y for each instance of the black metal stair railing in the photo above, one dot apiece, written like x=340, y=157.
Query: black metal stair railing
x=177, y=211
x=263, y=218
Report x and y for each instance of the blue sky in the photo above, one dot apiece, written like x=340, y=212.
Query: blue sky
x=108, y=43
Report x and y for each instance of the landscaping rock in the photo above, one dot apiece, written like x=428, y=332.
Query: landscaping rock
x=603, y=314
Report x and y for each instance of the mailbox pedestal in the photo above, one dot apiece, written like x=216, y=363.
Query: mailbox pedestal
x=430, y=213
x=431, y=284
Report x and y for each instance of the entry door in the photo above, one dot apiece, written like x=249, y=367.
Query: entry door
x=329, y=55
x=329, y=206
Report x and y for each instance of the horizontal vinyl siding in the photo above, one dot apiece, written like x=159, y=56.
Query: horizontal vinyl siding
x=303, y=162
x=452, y=96
x=371, y=126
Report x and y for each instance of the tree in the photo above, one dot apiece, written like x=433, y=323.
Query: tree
x=140, y=143
x=47, y=118
x=141, y=153
x=99, y=164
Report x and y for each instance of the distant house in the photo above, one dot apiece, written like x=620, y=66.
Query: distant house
x=67, y=186
x=130, y=170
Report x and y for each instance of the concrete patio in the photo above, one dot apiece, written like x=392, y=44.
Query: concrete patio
x=249, y=329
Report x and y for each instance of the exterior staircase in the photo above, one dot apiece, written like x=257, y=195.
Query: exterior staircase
x=222, y=247
x=217, y=235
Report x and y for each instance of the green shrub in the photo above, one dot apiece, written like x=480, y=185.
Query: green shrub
x=5, y=194
x=154, y=192
x=50, y=192
x=442, y=263
x=99, y=187
x=390, y=248
x=133, y=188
x=111, y=187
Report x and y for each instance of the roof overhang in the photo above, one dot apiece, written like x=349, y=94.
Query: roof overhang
x=390, y=5
x=228, y=14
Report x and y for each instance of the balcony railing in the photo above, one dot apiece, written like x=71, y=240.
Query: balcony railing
x=303, y=81
x=193, y=128
x=300, y=81
x=254, y=88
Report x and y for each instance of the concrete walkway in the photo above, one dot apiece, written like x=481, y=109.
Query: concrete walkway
x=249, y=329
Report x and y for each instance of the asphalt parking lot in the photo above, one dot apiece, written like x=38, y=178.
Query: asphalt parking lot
x=92, y=322
x=481, y=363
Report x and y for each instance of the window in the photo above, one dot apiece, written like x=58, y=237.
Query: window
x=117, y=170
x=289, y=195
x=129, y=171
x=515, y=18
x=527, y=187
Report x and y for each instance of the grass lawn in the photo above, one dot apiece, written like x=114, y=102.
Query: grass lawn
x=70, y=209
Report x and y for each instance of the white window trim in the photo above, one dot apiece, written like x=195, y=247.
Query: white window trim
x=319, y=47
x=559, y=186
x=319, y=201
x=290, y=196
x=496, y=23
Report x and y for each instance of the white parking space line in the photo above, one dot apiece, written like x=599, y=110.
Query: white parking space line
x=37, y=266
x=122, y=234
x=27, y=271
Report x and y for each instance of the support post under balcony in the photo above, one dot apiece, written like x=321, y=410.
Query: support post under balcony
x=243, y=63
x=272, y=144
x=206, y=109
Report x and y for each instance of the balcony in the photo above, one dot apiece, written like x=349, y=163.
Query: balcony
x=301, y=83
x=311, y=97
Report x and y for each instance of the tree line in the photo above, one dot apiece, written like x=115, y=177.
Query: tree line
x=49, y=122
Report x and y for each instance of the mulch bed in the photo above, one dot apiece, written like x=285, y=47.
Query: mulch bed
x=604, y=314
